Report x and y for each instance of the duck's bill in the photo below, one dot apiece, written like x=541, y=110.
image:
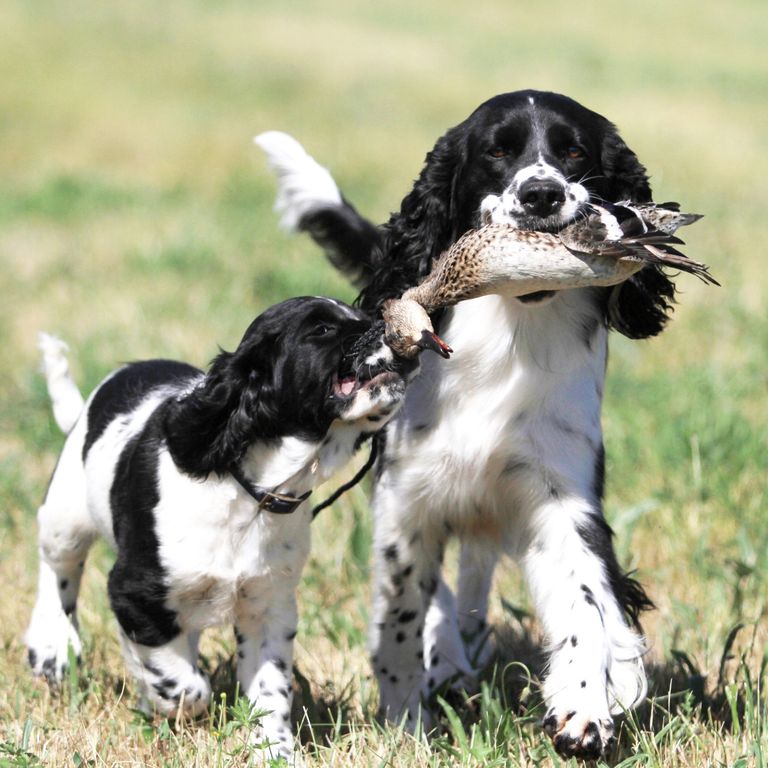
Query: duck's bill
x=430, y=340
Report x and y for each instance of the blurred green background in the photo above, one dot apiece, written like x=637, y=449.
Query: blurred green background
x=136, y=221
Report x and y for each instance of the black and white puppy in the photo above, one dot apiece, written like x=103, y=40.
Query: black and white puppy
x=199, y=481
x=502, y=445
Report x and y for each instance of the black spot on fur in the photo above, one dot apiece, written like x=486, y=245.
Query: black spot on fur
x=400, y=637
x=406, y=616
x=63, y=584
x=429, y=587
x=166, y=688
x=574, y=641
x=390, y=552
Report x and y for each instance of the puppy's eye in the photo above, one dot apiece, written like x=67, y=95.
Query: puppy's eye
x=574, y=153
x=498, y=152
x=321, y=330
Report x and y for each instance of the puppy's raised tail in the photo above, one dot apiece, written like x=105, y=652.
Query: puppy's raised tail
x=65, y=396
x=309, y=200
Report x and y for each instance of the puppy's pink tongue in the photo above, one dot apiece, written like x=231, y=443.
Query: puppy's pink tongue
x=346, y=386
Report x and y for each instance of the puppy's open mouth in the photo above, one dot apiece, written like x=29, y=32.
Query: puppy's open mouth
x=347, y=385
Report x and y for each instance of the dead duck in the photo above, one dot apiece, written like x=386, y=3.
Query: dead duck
x=603, y=248
x=408, y=329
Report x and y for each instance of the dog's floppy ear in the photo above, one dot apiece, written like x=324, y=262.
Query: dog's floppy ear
x=425, y=225
x=210, y=428
x=638, y=308
x=626, y=176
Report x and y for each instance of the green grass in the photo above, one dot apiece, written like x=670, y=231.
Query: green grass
x=135, y=221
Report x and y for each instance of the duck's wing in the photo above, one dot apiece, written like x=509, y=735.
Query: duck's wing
x=664, y=217
x=655, y=247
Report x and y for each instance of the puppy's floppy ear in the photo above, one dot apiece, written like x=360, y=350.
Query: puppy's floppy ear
x=425, y=225
x=640, y=307
x=210, y=429
x=626, y=175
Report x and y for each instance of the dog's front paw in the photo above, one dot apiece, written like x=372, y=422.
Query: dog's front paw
x=170, y=692
x=579, y=734
x=48, y=649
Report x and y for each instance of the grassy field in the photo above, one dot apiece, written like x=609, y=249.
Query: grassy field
x=135, y=221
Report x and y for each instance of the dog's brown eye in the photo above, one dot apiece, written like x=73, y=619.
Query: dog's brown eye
x=498, y=152
x=574, y=152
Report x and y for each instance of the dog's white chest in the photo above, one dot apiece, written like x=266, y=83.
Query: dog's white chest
x=219, y=552
x=519, y=389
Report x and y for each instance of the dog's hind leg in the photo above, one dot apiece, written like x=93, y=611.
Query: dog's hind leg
x=66, y=532
x=457, y=640
x=477, y=562
x=406, y=583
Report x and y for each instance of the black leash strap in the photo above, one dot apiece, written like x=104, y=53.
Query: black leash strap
x=362, y=472
x=279, y=503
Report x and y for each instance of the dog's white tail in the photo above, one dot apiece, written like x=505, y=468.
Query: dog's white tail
x=65, y=396
x=304, y=185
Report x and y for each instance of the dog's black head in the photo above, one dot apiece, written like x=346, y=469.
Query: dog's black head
x=539, y=157
x=300, y=366
x=545, y=156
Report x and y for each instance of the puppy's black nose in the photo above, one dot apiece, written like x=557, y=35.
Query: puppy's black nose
x=541, y=197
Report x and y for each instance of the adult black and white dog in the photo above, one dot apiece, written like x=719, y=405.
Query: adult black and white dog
x=502, y=445
x=200, y=482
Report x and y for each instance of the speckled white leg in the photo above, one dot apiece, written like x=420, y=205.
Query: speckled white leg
x=477, y=561
x=265, y=633
x=168, y=676
x=406, y=566
x=445, y=658
x=65, y=534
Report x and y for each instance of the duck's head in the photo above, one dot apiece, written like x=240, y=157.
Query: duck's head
x=408, y=329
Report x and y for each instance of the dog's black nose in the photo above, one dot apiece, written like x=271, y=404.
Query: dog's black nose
x=541, y=197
